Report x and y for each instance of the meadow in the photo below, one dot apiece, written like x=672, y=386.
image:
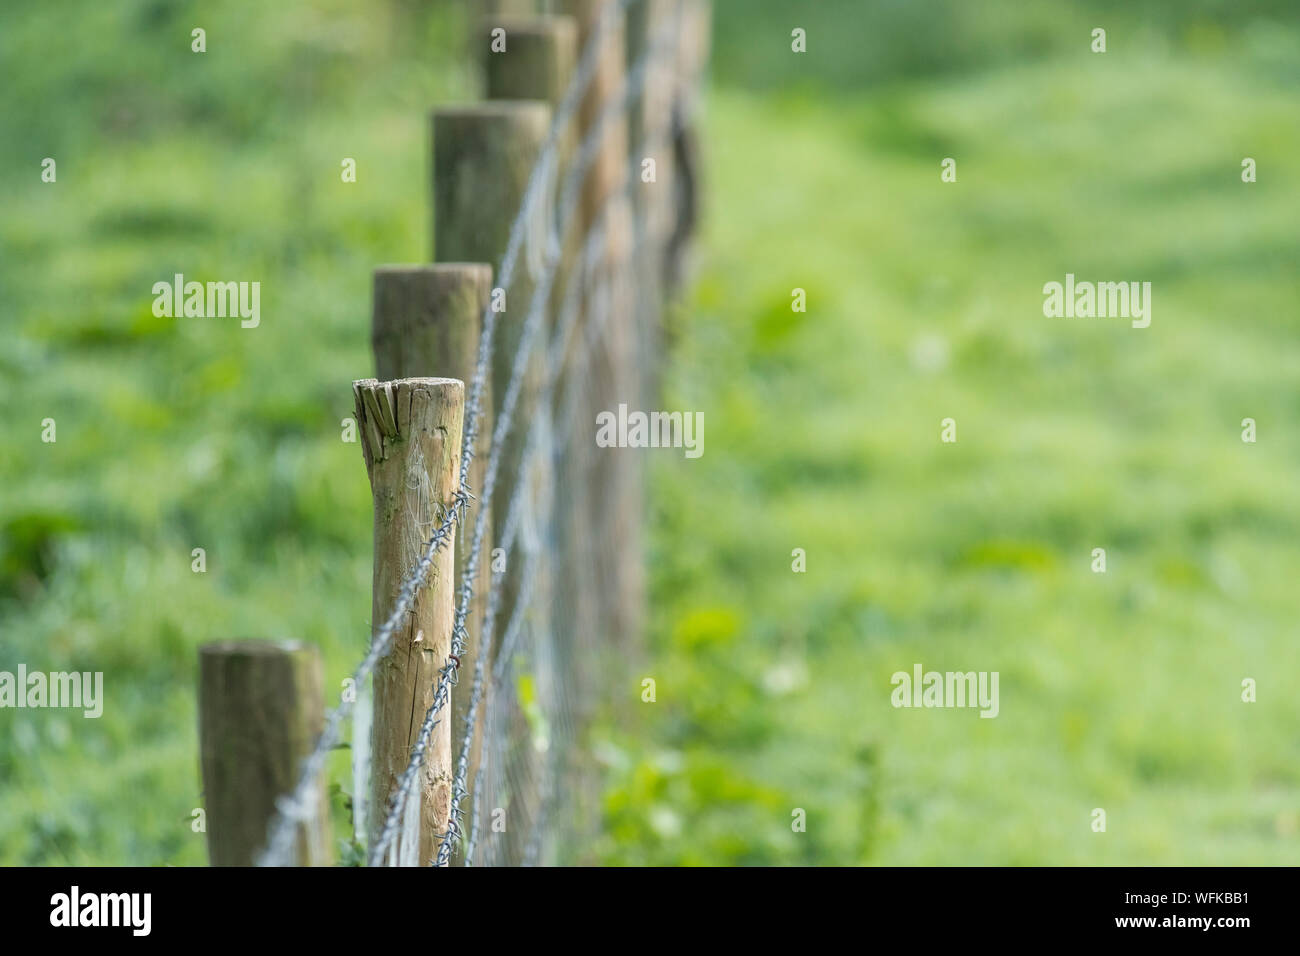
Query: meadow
x=1120, y=691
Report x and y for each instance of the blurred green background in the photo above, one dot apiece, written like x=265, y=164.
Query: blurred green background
x=1119, y=691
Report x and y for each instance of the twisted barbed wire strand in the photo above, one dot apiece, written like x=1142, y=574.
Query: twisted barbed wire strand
x=299, y=804
x=631, y=88
x=558, y=352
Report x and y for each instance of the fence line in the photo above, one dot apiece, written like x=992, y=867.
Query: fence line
x=505, y=419
x=507, y=540
x=531, y=511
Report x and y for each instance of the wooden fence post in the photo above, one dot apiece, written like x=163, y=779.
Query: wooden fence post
x=607, y=169
x=538, y=64
x=260, y=714
x=427, y=321
x=598, y=510
x=652, y=112
x=511, y=7
x=411, y=438
x=483, y=157
x=650, y=121
x=614, y=561
x=538, y=59
x=692, y=53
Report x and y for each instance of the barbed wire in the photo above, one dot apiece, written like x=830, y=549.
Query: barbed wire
x=632, y=87
x=558, y=352
x=301, y=801
x=297, y=806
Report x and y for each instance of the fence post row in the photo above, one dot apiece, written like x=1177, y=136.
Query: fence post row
x=260, y=712
x=601, y=531
x=482, y=158
x=537, y=64
x=260, y=702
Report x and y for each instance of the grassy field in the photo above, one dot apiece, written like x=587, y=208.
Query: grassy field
x=1119, y=691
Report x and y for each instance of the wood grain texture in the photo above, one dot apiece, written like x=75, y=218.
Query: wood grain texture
x=483, y=158
x=411, y=432
x=261, y=711
x=427, y=321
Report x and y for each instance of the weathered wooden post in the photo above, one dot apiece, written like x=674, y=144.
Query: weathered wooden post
x=426, y=321
x=650, y=117
x=650, y=149
x=694, y=28
x=607, y=169
x=511, y=7
x=598, y=506
x=260, y=714
x=537, y=62
x=411, y=439
x=483, y=158
x=613, y=559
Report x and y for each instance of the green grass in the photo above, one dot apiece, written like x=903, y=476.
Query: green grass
x=1119, y=691
x=178, y=434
